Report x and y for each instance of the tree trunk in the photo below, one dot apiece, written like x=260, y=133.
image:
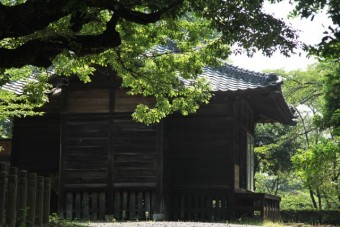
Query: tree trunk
x=319, y=198
x=312, y=197
x=277, y=185
x=326, y=197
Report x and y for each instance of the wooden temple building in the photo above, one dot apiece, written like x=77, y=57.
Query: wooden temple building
x=197, y=167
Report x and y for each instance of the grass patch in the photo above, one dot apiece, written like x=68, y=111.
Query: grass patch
x=273, y=224
x=57, y=221
x=250, y=221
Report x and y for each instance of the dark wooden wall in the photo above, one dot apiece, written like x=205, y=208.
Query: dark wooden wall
x=36, y=144
x=85, y=151
x=209, y=148
x=137, y=154
x=198, y=151
x=111, y=155
x=198, y=147
x=103, y=151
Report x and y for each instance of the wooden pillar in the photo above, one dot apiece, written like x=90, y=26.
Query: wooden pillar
x=31, y=197
x=47, y=197
x=22, y=198
x=3, y=188
x=233, y=201
x=11, y=203
x=39, y=201
x=263, y=209
x=69, y=205
x=158, y=202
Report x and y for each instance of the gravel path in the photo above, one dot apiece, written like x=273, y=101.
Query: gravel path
x=164, y=224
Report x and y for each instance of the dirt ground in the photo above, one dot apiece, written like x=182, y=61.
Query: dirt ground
x=164, y=224
x=187, y=224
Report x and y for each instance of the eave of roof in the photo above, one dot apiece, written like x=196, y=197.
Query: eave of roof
x=228, y=79
x=262, y=90
x=232, y=78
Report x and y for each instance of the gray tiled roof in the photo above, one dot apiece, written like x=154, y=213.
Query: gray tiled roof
x=169, y=47
x=232, y=78
x=17, y=87
x=224, y=78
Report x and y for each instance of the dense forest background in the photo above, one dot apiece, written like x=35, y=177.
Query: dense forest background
x=302, y=163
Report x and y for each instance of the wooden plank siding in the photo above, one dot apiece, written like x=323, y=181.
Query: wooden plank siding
x=198, y=151
x=92, y=100
x=125, y=103
x=104, y=152
x=109, y=156
x=85, y=150
x=135, y=154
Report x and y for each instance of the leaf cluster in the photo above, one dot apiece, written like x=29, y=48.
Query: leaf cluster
x=73, y=37
x=332, y=100
x=320, y=167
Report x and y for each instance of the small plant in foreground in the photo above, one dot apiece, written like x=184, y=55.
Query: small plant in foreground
x=57, y=221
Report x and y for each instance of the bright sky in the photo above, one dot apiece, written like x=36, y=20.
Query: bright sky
x=311, y=32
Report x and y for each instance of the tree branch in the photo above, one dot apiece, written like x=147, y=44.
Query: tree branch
x=27, y=18
x=132, y=15
x=41, y=52
x=34, y=15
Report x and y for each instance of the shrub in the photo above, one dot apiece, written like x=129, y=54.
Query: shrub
x=311, y=216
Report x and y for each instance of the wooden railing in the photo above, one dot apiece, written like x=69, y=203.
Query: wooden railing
x=205, y=204
x=134, y=205
x=257, y=205
x=217, y=204
x=24, y=198
x=198, y=205
x=85, y=205
x=93, y=205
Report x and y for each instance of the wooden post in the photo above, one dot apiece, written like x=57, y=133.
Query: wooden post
x=31, y=196
x=132, y=206
x=3, y=188
x=11, y=203
x=46, y=206
x=117, y=206
x=125, y=205
x=86, y=206
x=94, y=205
x=39, y=202
x=69, y=205
x=22, y=198
x=78, y=205
x=140, y=209
x=102, y=205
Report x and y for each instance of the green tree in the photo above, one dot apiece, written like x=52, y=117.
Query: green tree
x=329, y=46
x=319, y=165
x=75, y=36
x=315, y=95
x=5, y=129
x=327, y=51
x=332, y=100
x=275, y=144
x=305, y=90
